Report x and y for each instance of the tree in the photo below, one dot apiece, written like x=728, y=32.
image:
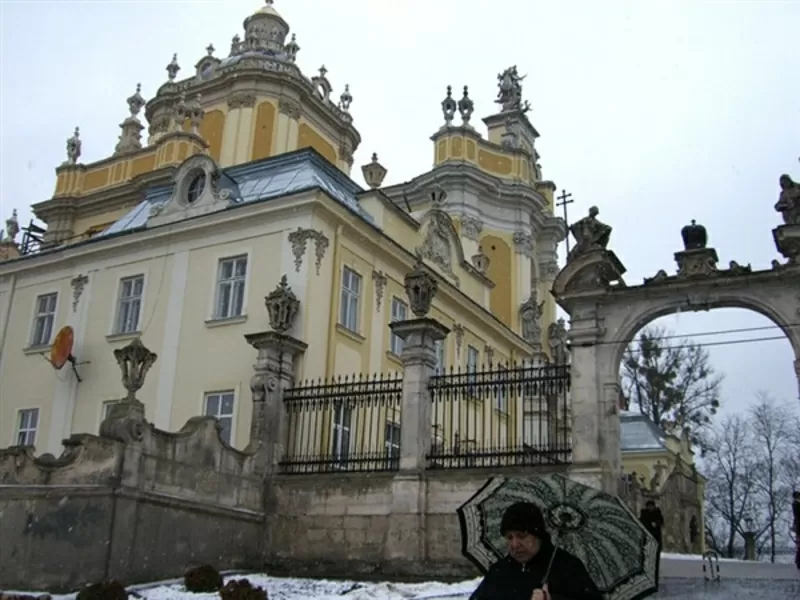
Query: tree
x=672, y=383
x=730, y=471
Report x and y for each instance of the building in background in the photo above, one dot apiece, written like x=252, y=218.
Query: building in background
x=242, y=177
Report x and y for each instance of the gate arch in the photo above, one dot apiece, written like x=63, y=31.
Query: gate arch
x=606, y=313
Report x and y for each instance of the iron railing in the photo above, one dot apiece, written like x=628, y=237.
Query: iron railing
x=504, y=415
x=343, y=425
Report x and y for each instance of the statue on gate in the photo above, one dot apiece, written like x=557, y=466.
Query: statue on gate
x=789, y=201
x=590, y=233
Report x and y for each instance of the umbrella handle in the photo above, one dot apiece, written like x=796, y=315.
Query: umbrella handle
x=550, y=565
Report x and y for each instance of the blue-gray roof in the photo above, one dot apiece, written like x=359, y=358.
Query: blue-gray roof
x=639, y=434
x=262, y=180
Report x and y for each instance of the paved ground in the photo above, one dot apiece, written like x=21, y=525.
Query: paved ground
x=684, y=579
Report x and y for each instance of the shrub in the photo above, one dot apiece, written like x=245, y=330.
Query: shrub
x=106, y=590
x=204, y=578
x=242, y=589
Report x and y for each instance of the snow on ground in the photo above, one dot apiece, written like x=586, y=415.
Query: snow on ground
x=694, y=557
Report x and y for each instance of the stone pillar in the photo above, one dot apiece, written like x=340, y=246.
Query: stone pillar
x=274, y=372
x=749, y=545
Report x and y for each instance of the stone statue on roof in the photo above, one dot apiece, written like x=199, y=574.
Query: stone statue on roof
x=509, y=95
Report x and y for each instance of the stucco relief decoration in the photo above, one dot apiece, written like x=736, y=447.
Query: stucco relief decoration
x=441, y=239
x=241, y=100
x=787, y=236
x=380, y=280
x=299, y=239
x=289, y=108
x=531, y=313
x=557, y=337
x=78, y=284
x=548, y=269
x=523, y=243
x=471, y=228
x=458, y=331
x=282, y=306
x=481, y=261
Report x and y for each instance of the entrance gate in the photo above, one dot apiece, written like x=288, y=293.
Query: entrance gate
x=606, y=314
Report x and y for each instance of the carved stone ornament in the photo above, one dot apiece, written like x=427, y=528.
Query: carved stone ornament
x=696, y=260
x=481, y=261
x=380, y=280
x=787, y=241
x=449, y=106
x=440, y=235
x=458, y=330
x=421, y=287
x=197, y=192
x=523, y=243
x=282, y=306
x=531, y=313
x=548, y=269
x=599, y=269
x=241, y=100
x=789, y=201
x=299, y=241
x=374, y=172
x=134, y=361
x=471, y=228
x=78, y=284
x=509, y=93
x=590, y=234
x=557, y=338
x=289, y=108
x=74, y=148
x=488, y=352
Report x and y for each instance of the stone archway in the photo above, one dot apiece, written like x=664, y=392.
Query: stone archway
x=606, y=313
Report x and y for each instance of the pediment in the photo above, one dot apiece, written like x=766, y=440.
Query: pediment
x=196, y=192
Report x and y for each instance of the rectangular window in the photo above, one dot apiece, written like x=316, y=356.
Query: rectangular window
x=535, y=432
x=220, y=405
x=27, y=423
x=351, y=296
x=399, y=313
x=129, y=304
x=472, y=367
x=439, y=345
x=44, y=319
x=392, y=442
x=342, y=419
x=231, y=276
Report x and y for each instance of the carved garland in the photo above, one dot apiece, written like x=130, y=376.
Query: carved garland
x=78, y=284
x=299, y=240
x=380, y=279
x=458, y=330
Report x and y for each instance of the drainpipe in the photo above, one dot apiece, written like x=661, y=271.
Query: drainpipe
x=334, y=305
x=6, y=318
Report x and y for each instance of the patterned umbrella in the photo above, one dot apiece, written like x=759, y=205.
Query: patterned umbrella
x=596, y=527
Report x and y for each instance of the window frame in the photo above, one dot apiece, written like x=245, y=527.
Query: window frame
x=353, y=296
x=116, y=329
x=396, y=343
x=32, y=341
x=20, y=430
x=219, y=394
x=218, y=282
x=340, y=453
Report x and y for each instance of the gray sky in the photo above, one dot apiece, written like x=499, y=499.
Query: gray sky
x=657, y=112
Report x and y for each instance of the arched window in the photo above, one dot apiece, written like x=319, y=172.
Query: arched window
x=196, y=186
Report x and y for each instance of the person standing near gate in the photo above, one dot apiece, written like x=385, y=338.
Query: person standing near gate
x=796, y=526
x=653, y=520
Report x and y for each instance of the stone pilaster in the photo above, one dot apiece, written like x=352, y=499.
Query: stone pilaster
x=274, y=372
x=419, y=363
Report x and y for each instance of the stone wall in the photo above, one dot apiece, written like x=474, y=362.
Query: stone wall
x=134, y=510
x=370, y=525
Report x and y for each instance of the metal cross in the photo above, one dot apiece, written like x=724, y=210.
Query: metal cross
x=565, y=199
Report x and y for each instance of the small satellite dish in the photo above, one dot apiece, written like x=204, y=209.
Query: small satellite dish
x=61, y=350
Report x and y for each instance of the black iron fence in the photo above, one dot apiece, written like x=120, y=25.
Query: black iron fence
x=344, y=425
x=504, y=415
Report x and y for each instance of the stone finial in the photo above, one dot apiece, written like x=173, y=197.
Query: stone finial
x=282, y=306
x=131, y=135
x=466, y=106
x=481, y=261
x=346, y=98
x=196, y=114
x=374, y=172
x=292, y=48
x=134, y=361
x=694, y=236
x=173, y=67
x=789, y=201
x=12, y=227
x=210, y=49
x=449, y=106
x=421, y=287
x=136, y=102
x=236, y=45
x=74, y=148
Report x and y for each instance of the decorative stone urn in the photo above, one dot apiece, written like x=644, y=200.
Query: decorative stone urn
x=134, y=361
x=421, y=287
x=282, y=306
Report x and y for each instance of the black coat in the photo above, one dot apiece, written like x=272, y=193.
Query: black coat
x=509, y=580
x=653, y=520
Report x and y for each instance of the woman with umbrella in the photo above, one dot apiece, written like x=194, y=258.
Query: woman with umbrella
x=553, y=538
x=534, y=568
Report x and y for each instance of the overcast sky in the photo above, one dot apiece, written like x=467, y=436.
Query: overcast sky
x=657, y=112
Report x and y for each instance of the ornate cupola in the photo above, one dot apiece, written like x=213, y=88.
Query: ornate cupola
x=265, y=30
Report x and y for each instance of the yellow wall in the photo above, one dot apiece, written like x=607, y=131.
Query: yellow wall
x=465, y=145
x=264, y=129
x=308, y=137
x=211, y=131
x=501, y=273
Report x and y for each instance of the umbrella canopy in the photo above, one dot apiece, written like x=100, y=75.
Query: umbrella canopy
x=596, y=527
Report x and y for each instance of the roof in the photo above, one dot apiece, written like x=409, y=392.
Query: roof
x=258, y=181
x=639, y=434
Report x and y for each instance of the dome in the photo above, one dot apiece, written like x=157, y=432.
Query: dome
x=267, y=12
x=694, y=236
x=265, y=29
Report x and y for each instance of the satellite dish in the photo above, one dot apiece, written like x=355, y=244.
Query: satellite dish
x=61, y=350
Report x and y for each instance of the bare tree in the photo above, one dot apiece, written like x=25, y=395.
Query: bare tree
x=730, y=472
x=775, y=456
x=672, y=382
